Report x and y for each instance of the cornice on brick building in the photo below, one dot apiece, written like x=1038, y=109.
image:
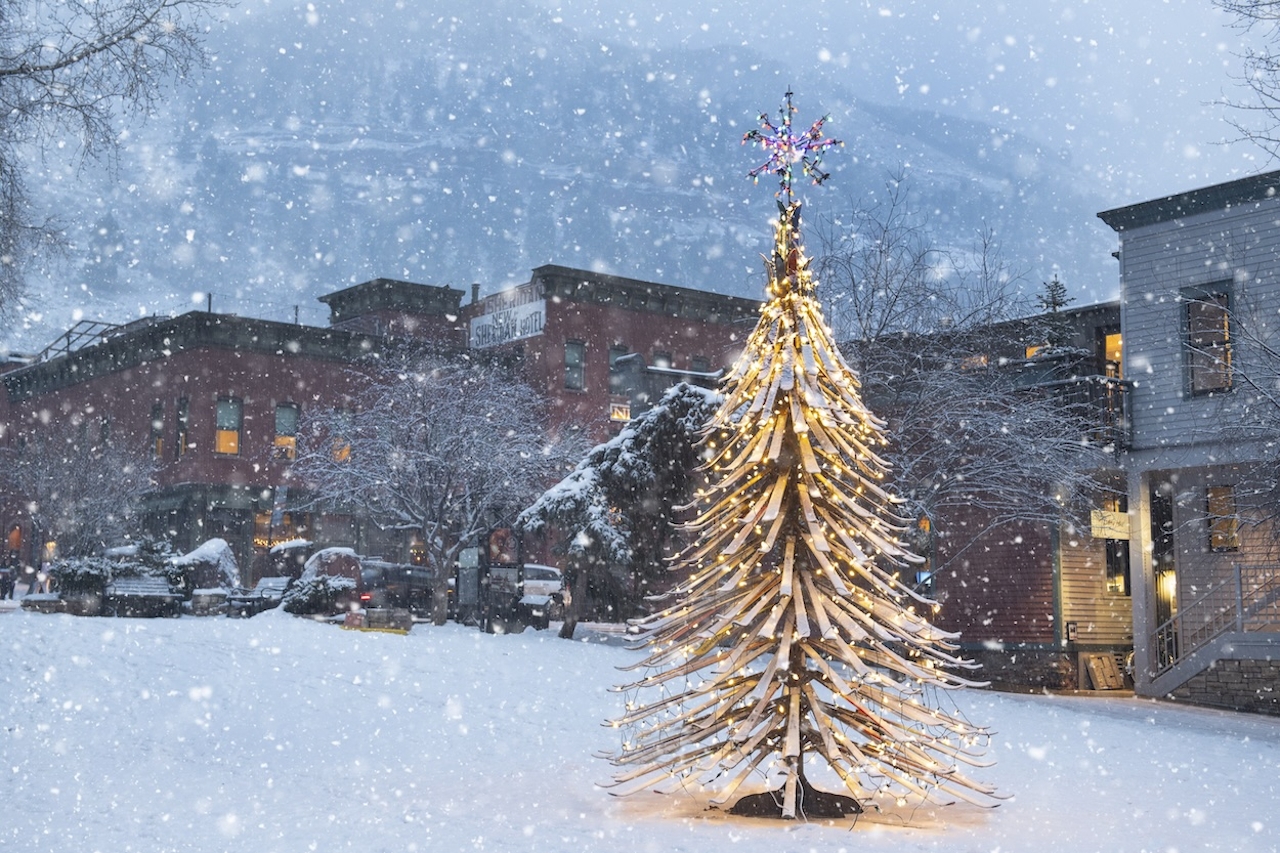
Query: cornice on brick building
x=161, y=339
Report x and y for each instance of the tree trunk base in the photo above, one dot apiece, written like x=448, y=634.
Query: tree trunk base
x=810, y=802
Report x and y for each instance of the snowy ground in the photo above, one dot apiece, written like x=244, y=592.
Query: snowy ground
x=279, y=734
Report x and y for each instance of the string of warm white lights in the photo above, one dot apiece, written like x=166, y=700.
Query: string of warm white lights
x=791, y=634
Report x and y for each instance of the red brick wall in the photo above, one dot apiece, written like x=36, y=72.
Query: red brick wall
x=601, y=327
x=1001, y=586
x=259, y=380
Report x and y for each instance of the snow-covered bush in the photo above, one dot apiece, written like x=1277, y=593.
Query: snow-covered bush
x=316, y=595
x=146, y=557
x=81, y=574
x=339, y=562
x=615, y=512
x=211, y=566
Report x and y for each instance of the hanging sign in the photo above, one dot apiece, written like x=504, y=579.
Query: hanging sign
x=1109, y=525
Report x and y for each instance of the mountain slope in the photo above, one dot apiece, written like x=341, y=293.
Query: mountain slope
x=450, y=147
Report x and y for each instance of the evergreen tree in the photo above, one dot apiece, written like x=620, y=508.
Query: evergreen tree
x=1054, y=298
x=614, y=513
x=792, y=635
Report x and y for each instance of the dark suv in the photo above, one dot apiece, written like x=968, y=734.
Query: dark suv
x=395, y=585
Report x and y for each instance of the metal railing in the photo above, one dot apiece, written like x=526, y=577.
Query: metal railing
x=1248, y=600
x=1102, y=400
x=87, y=333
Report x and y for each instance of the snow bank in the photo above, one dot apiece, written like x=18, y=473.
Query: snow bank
x=283, y=734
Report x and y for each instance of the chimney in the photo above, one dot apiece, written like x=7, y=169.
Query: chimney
x=475, y=291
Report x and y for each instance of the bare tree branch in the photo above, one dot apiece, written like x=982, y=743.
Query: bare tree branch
x=74, y=67
x=1258, y=114
x=920, y=326
x=83, y=489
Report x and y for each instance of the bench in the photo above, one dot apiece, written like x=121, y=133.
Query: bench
x=141, y=596
x=265, y=595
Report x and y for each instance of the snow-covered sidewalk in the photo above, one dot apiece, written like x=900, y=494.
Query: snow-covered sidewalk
x=282, y=734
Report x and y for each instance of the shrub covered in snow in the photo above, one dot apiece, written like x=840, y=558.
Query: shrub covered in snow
x=146, y=557
x=339, y=562
x=316, y=595
x=615, y=511
x=81, y=574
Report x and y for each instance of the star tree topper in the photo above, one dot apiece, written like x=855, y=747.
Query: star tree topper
x=786, y=149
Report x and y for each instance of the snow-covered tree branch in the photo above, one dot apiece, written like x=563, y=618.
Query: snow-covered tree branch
x=1257, y=116
x=614, y=513
x=440, y=449
x=82, y=489
x=921, y=326
x=71, y=68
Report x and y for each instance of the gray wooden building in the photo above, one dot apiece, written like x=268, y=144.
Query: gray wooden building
x=1200, y=307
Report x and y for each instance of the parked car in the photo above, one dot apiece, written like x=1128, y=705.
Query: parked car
x=395, y=585
x=542, y=593
x=266, y=595
x=543, y=580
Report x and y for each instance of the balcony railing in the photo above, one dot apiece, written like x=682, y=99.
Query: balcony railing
x=1246, y=601
x=1103, y=401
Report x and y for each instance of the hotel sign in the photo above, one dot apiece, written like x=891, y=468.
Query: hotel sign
x=509, y=316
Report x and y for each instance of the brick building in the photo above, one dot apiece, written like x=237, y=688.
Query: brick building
x=216, y=398
x=581, y=337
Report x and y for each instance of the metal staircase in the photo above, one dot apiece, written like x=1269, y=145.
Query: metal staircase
x=1237, y=618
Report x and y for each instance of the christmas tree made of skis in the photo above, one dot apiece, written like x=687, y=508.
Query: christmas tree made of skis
x=792, y=641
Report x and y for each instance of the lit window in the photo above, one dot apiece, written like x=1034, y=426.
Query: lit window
x=157, y=430
x=230, y=419
x=1113, y=354
x=272, y=528
x=973, y=362
x=1209, y=343
x=1117, y=550
x=575, y=358
x=1032, y=350
x=1224, y=525
x=286, y=443
x=1118, y=566
x=180, y=438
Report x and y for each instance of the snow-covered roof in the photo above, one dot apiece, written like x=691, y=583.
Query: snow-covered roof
x=290, y=545
x=212, y=551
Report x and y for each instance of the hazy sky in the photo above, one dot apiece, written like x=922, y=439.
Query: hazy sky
x=1128, y=93
x=1130, y=90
